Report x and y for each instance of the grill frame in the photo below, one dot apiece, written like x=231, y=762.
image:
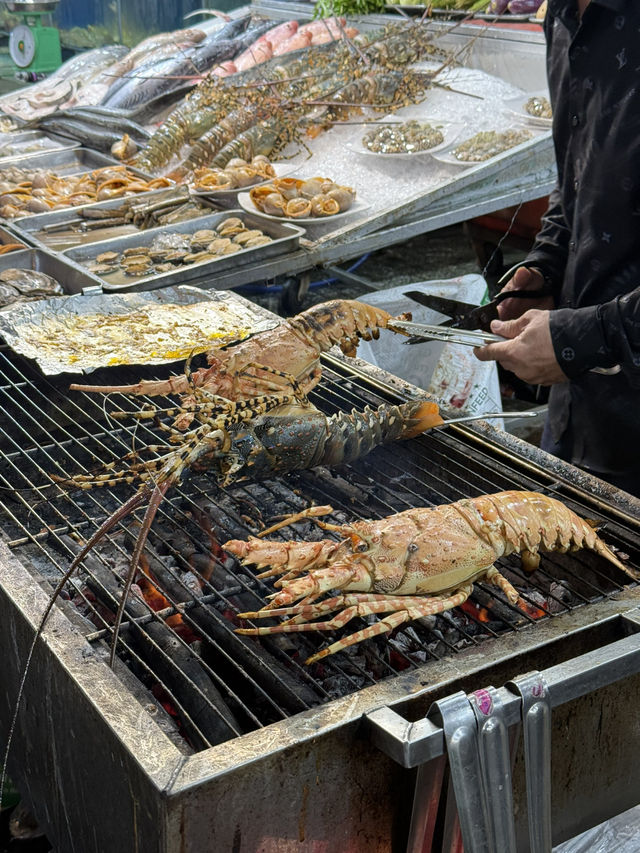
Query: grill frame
x=330, y=782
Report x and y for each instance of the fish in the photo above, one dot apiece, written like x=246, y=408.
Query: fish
x=263, y=47
x=175, y=73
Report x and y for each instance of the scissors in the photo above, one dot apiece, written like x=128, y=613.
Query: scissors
x=470, y=324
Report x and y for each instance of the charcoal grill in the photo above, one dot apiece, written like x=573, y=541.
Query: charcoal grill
x=233, y=744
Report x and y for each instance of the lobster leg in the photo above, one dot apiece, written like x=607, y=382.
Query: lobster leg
x=494, y=577
x=152, y=508
x=362, y=605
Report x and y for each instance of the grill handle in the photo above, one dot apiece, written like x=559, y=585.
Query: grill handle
x=470, y=731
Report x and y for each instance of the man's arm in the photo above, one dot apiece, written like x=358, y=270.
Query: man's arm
x=599, y=336
x=550, y=250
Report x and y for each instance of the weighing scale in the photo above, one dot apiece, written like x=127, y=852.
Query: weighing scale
x=33, y=47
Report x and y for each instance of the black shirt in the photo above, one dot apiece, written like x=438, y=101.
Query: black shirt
x=589, y=244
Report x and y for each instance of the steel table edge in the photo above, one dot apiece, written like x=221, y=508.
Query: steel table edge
x=413, y=744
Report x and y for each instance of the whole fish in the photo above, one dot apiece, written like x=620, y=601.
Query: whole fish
x=296, y=42
x=177, y=72
x=263, y=47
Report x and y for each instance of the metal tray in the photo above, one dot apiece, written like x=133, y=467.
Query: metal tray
x=67, y=161
x=285, y=238
x=25, y=137
x=9, y=236
x=71, y=277
x=29, y=227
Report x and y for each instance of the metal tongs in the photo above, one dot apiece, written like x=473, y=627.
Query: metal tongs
x=469, y=324
x=419, y=333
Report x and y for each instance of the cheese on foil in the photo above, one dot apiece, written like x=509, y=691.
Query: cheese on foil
x=84, y=332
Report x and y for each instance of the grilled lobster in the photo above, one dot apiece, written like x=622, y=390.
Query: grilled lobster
x=293, y=346
x=255, y=438
x=415, y=563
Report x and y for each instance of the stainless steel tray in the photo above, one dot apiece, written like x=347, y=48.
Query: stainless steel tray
x=9, y=236
x=71, y=277
x=30, y=227
x=285, y=238
x=67, y=161
x=24, y=138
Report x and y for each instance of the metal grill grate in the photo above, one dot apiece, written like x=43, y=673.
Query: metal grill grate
x=217, y=684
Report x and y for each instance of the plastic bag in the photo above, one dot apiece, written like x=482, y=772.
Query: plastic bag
x=450, y=373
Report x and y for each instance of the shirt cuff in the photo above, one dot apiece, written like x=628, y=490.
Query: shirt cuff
x=578, y=340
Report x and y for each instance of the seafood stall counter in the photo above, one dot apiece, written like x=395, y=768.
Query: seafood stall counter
x=475, y=87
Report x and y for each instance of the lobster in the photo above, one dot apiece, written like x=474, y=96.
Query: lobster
x=416, y=563
x=293, y=346
x=247, y=439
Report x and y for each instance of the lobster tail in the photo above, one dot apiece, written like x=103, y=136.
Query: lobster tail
x=343, y=322
x=351, y=436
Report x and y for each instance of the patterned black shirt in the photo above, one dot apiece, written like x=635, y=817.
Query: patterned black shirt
x=589, y=244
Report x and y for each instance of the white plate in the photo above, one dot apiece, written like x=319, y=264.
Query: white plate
x=516, y=106
x=448, y=157
x=280, y=170
x=244, y=200
x=450, y=131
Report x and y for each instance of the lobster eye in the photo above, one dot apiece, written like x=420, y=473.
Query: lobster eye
x=362, y=547
x=412, y=547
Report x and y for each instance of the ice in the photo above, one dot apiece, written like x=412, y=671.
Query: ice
x=470, y=98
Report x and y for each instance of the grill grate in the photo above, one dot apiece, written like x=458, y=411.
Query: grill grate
x=220, y=685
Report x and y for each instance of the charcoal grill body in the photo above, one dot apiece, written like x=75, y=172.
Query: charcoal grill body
x=101, y=774
x=93, y=755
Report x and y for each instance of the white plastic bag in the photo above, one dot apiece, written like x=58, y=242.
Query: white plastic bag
x=451, y=373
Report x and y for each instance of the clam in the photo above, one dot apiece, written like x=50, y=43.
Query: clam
x=231, y=226
x=218, y=245
x=245, y=236
x=254, y=242
x=236, y=162
x=107, y=257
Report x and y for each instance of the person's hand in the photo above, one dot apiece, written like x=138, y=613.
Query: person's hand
x=529, y=351
x=524, y=279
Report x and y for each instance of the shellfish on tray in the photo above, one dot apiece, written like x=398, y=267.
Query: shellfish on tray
x=297, y=198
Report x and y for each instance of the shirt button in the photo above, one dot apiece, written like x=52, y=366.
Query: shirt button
x=572, y=245
x=575, y=121
x=576, y=184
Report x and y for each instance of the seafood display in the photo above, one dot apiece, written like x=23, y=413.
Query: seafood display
x=238, y=173
x=73, y=83
x=172, y=249
x=99, y=128
x=405, y=138
x=293, y=347
x=172, y=71
x=489, y=143
x=38, y=191
x=263, y=108
x=22, y=285
x=107, y=220
x=415, y=563
x=296, y=198
x=539, y=107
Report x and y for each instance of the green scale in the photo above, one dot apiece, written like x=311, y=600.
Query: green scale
x=34, y=47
